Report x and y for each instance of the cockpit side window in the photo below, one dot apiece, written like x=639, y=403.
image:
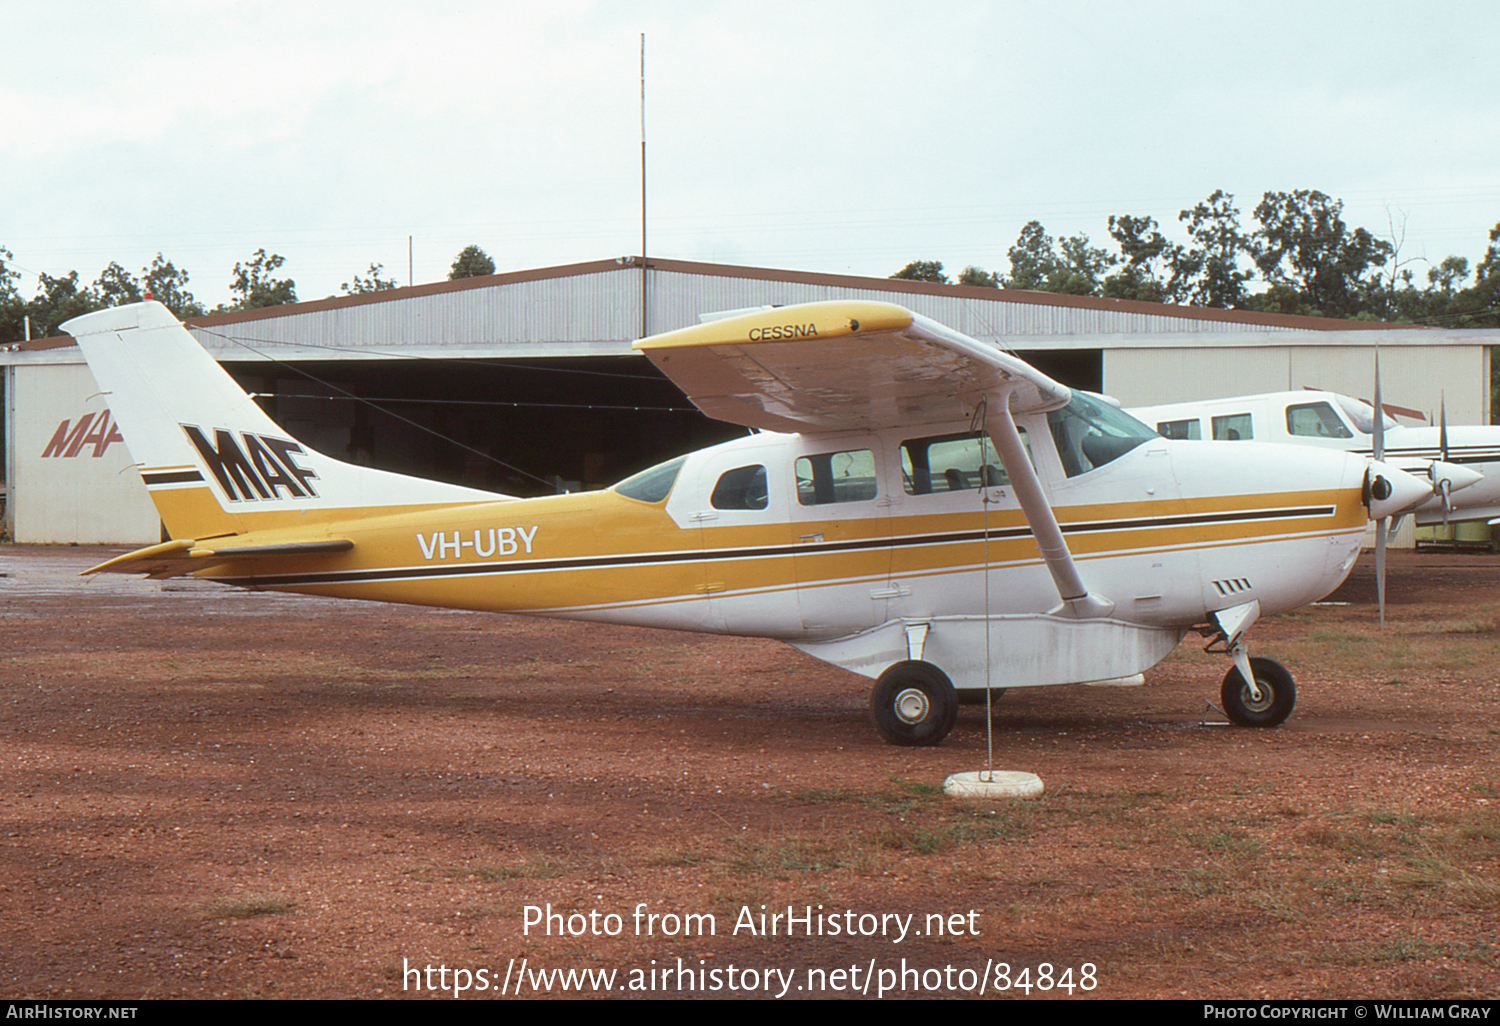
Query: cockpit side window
x=1315, y=420
x=1089, y=433
x=740, y=488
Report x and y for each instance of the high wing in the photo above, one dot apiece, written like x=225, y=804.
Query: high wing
x=850, y=365
x=842, y=365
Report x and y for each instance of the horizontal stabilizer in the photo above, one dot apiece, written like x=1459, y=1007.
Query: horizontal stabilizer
x=176, y=558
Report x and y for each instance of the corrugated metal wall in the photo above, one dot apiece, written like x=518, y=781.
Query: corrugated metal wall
x=1418, y=377
x=69, y=480
x=601, y=312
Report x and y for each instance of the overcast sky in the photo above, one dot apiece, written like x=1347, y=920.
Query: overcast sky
x=846, y=137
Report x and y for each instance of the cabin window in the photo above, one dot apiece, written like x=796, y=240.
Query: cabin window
x=1089, y=433
x=1180, y=429
x=652, y=485
x=1233, y=428
x=1315, y=420
x=836, y=477
x=951, y=463
x=740, y=488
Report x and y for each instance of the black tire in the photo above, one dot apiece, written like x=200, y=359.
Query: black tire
x=913, y=704
x=1278, y=695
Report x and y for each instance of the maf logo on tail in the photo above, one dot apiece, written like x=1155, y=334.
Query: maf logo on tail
x=255, y=471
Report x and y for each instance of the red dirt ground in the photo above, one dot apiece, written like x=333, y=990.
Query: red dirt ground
x=210, y=793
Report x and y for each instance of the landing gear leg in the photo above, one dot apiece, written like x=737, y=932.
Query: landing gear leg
x=1263, y=699
x=1256, y=692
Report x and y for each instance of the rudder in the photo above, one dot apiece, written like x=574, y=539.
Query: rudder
x=213, y=462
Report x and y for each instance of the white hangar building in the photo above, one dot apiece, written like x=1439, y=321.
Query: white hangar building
x=525, y=382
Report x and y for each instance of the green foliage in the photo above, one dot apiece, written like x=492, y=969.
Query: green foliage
x=12, y=307
x=978, y=277
x=1304, y=246
x=373, y=283
x=1300, y=258
x=1033, y=260
x=1084, y=267
x=168, y=286
x=1212, y=267
x=254, y=285
x=8, y=277
x=116, y=286
x=58, y=300
x=1153, y=267
x=1072, y=267
x=923, y=270
x=471, y=262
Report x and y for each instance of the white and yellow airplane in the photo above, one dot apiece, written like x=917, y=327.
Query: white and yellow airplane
x=914, y=506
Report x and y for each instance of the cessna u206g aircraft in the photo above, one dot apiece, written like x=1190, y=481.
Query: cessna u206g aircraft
x=914, y=506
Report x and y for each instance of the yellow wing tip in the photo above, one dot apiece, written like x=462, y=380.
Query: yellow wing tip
x=826, y=319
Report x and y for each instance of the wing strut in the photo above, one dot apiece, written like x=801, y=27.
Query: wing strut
x=1077, y=603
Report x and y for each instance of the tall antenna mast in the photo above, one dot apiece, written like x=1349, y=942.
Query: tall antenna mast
x=643, y=185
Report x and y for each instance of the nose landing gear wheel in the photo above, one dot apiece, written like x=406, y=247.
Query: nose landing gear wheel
x=913, y=704
x=1278, y=694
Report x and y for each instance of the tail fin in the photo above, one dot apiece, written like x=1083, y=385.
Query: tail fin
x=213, y=462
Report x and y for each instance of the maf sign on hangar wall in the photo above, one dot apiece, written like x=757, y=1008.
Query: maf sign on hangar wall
x=533, y=369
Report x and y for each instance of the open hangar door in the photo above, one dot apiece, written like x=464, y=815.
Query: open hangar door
x=521, y=427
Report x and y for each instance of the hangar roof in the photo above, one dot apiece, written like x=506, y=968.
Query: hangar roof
x=598, y=308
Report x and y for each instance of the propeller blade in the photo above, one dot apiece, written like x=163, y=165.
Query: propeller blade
x=1380, y=568
x=1379, y=439
x=1443, y=429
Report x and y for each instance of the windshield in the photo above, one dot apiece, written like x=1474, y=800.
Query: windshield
x=1089, y=433
x=652, y=485
x=1362, y=415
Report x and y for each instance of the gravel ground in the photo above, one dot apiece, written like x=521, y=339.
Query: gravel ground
x=210, y=793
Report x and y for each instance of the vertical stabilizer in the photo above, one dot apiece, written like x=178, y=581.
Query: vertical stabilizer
x=212, y=460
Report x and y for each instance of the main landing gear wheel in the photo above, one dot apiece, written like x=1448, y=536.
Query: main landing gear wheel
x=913, y=704
x=1277, y=695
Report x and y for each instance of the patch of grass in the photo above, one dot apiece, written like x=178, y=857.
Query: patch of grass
x=1392, y=949
x=1475, y=624
x=781, y=858
x=1325, y=835
x=917, y=838
x=904, y=797
x=1195, y=882
x=682, y=858
x=1233, y=843
x=1445, y=878
x=537, y=869
x=249, y=906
